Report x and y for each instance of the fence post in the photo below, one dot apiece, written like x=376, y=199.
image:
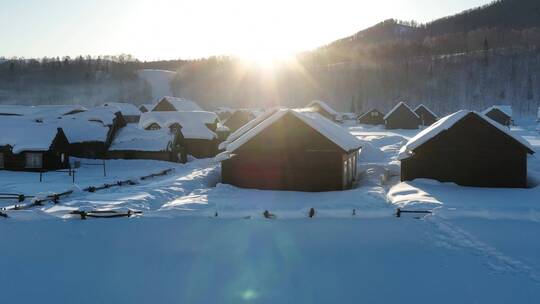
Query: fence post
x=40, y=176
x=73, y=177
x=104, y=170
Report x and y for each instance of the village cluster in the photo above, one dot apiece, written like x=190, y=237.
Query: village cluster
x=304, y=149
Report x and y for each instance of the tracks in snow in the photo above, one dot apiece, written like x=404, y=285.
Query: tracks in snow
x=451, y=236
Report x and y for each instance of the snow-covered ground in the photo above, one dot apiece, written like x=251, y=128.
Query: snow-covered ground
x=479, y=245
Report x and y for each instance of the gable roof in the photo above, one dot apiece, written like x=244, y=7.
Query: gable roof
x=339, y=136
x=248, y=126
x=423, y=107
x=369, y=112
x=323, y=105
x=127, y=109
x=193, y=123
x=448, y=122
x=24, y=134
x=505, y=109
x=131, y=138
x=396, y=107
x=181, y=104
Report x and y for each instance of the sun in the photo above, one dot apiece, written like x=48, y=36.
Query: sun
x=265, y=58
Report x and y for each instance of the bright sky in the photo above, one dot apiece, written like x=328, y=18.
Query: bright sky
x=168, y=29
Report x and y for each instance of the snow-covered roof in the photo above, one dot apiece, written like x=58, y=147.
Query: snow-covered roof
x=248, y=126
x=446, y=123
x=323, y=105
x=24, y=134
x=422, y=106
x=503, y=108
x=193, y=123
x=127, y=109
x=105, y=115
x=341, y=137
x=182, y=104
x=131, y=138
x=40, y=111
x=400, y=104
x=81, y=130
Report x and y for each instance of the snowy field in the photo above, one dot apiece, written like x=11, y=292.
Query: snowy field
x=479, y=245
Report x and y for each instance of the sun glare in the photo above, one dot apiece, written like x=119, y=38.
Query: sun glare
x=265, y=57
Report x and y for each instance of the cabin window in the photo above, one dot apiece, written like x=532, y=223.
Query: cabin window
x=2, y=160
x=154, y=126
x=34, y=160
x=63, y=157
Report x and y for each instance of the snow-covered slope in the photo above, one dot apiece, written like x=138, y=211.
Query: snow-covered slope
x=159, y=81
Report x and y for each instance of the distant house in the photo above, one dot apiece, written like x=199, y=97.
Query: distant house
x=427, y=117
x=402, y=117
x=294, y=150
x=134, y=143
x=27, y=145
x=324, y=109
x=130, y=112
x=238, y=119
x=93, y=145
x=500, y=114
x=146, y=108
x=197, y=129
x=372, y=117
x=468, y=149
x=169, y=104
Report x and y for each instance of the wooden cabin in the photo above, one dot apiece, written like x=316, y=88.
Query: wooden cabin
x=238, y=119
x=130, y=112
x=92, y=132
x=402, y=117
x=134, y=143
x=468, y=149
x=26, y=145
x=500, y=114
x=171, y=104
x=324, y=109
x=197, y=129
x=427, y=117
x=292, y=150
x=372, y=117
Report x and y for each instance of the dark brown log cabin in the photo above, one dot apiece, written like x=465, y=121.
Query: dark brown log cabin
x=402, y=117
x=54, y=157
x=470, y=152
x=372, y=117
x=499, y=116
x=427, y=117
x=290, y=154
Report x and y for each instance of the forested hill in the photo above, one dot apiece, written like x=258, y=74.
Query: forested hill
x=483, y=56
